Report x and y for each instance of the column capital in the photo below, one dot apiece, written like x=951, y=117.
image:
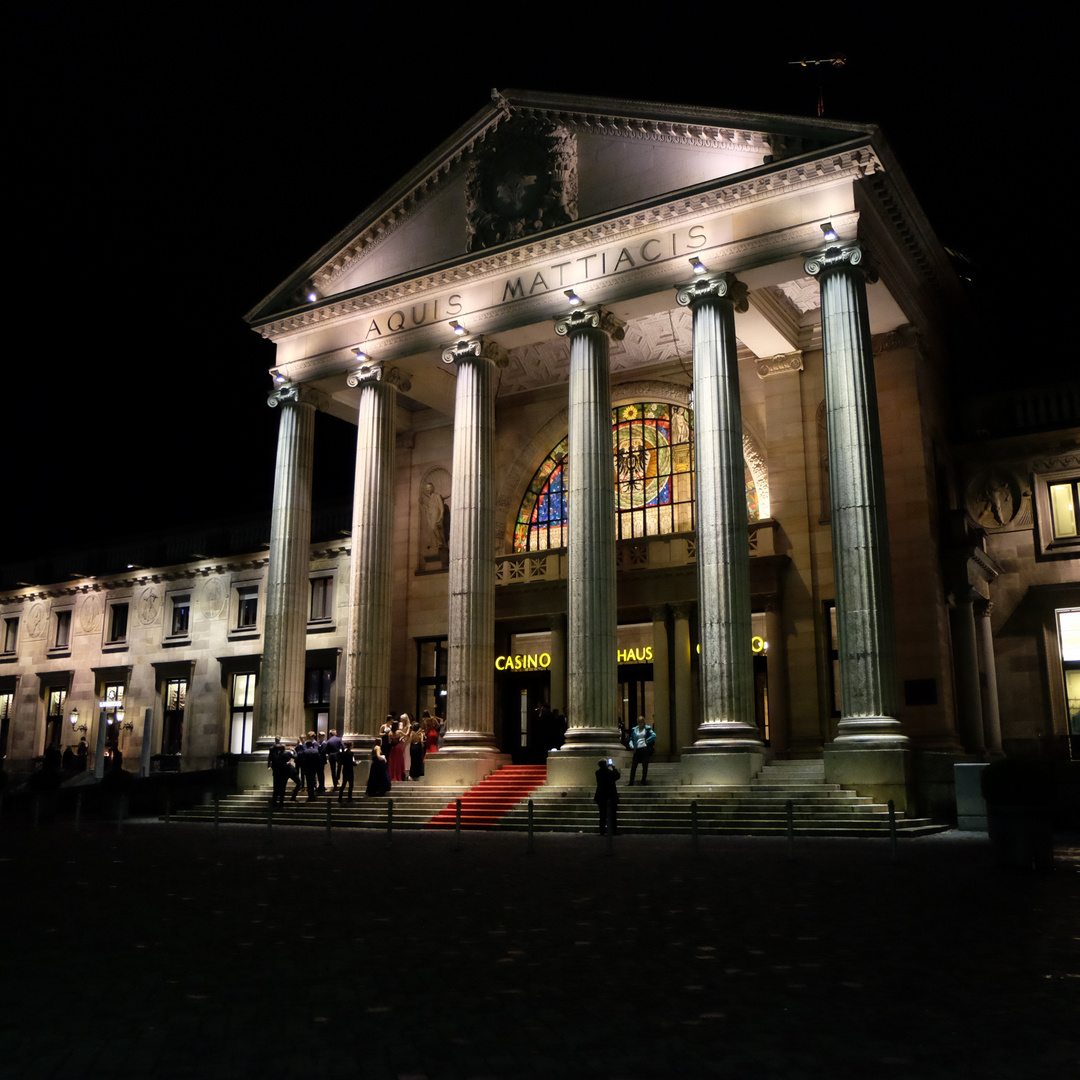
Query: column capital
x=476, y=348
x=845, y=255
x=591, y=318
x=296, y=394
x=377, y=371
x=725, y=286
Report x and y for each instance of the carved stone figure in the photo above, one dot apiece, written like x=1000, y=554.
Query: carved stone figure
x=434, y=522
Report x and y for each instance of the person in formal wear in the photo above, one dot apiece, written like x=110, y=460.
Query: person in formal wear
x=607, y=794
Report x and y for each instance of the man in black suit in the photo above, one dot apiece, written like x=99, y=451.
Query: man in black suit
x=607, y=794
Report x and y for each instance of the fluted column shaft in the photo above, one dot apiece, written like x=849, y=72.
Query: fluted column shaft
x=470, y=719
x=592, y=613
x=367, y=663
x=988, y=677
x=723, y=548
x=860, y=535
x=281, y=710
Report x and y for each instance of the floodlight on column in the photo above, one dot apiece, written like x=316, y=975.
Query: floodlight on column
x=458, y=329
x=829, y=232
x=698, y=266
x=573, y=297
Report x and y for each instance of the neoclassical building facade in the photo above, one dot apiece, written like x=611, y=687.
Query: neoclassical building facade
x=651, y=419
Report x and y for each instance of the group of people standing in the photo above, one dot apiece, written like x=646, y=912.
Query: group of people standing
x=305, y=765
x=397, y=756
x=403, y=745
x=641, y=739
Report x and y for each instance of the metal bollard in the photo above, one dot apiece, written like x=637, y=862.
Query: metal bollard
x=529, y=848
x=217, y=814
x=693, y=824
x=457, y=824
x=892, y=830
x=329, y=821
x=270, y=820
x=168, y=805
x=790, y=807
x=389, y=821
x=610, y=827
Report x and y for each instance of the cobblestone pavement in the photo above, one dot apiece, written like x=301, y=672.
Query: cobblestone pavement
x=164, y=952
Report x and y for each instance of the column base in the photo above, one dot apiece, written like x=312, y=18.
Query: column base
x=462, y=768
x=870, y=733
x=575, y=766
x=726, y=768
x=727, y=737
x=881, y=774
x=251, y=771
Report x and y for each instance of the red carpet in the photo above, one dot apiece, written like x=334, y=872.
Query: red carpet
x=483, y=805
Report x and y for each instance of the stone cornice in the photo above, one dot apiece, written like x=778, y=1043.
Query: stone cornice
x=756, y=185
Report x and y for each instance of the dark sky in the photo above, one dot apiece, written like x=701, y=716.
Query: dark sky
x=171, y=169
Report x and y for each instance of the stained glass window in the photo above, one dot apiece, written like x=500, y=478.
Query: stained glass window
x=652, y=447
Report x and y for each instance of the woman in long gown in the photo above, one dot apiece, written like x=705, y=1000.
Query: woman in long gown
x=431, y=733
x=396, y=763
x=416, y=752
x=378, y=780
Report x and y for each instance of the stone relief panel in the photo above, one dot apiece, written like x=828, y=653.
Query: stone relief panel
x=522, y=181
x=433, y=501
x=148, y=606
x=998, y=501
x=36, y=621
x=211, y=599
x=91, y=612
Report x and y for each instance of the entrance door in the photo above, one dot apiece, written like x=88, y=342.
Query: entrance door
x=528, y=728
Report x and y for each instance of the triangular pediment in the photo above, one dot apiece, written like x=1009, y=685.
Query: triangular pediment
x=531, y=164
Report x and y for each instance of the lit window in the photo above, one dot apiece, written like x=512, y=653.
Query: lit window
x=652, y=446
x=242, y=713
x=1057, y=500
x=54, y=715
x=7, y=708
x=1069, y=639
x=172, y=734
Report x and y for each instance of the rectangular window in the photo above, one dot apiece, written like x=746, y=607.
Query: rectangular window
x=112, y=714
x=7, y=706
x=322, y=600
x=11, y=634
x=54, y=715
x=834, y=657
x=1069, y=641
x=1057, y=502
x=118, y=623
x=180, y=617
x=242, y=713
x=317, y=683
x=172, y=735
x=247, y=609
x=62, y=636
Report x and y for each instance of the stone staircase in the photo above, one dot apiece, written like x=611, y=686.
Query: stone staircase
x=755, y=809
x=664, y=805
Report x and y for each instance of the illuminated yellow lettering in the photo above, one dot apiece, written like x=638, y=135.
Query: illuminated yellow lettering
x=545, y=660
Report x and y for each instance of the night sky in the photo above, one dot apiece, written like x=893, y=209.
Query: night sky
x=172, y=166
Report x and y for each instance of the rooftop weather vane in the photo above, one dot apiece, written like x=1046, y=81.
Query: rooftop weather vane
x=832, y=61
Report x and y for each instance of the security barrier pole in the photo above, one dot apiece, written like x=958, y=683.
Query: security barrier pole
x=693, y=824
x=457, y=824
x=329, y=821
x=217, y=814
x=892, y=830
x=610, y=827
x=790, y=807
x=529, y=848
x=389, y=821
x=270, y=820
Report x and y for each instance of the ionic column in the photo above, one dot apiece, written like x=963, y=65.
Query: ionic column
x=860, y=535
x=988, y=676
x=557, y=674
x=723, y=549
x=684, y=705
x=592, y=612
x=367, y=660
x=661, y=717
x=285, y=628
x=470, y=716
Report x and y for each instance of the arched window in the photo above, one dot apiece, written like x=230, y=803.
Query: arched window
x=652, y=446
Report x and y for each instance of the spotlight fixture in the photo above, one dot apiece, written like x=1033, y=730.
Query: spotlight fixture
x=360, y=354
x=572, y=297
x=278, y=378
x=698, y=266
x=829, y=232
x=458, y=328
x=312, y=294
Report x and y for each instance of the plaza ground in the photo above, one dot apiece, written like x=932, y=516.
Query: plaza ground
x=175, y=952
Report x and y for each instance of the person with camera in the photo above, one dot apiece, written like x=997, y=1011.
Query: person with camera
x=607, y=794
